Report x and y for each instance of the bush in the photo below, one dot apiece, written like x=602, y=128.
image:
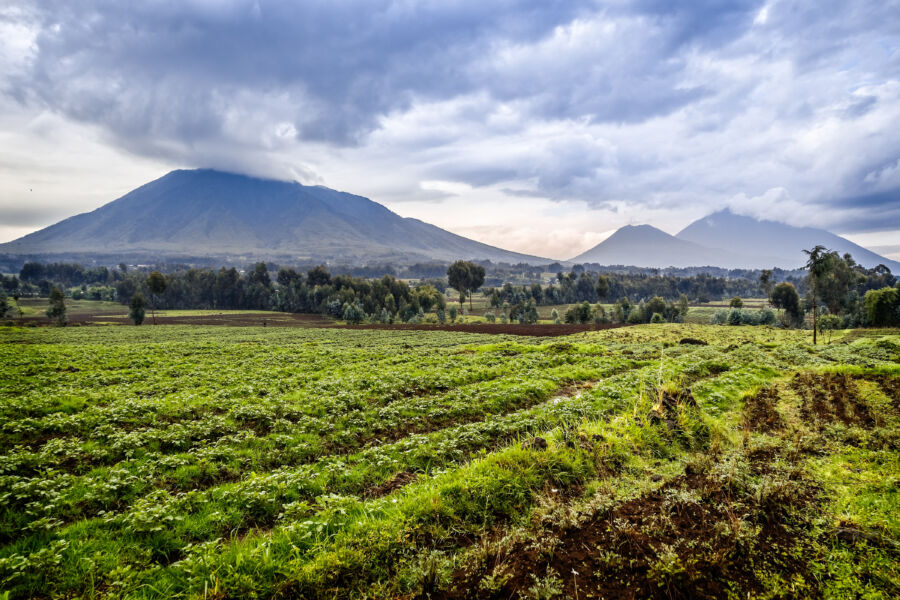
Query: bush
x=766, y=316
x=490, y=317
x=736, y=302
x=454, y=312
x=57, y=306
x=882, y=306
x=353, y=313
x=554, y=314
x=749, y=317
x=657, y=318
x=636, y=315
x=580, y=313
x=137, y=309
x=734, y=316
x=529, y=314
x=719, y=318
x=830, y=322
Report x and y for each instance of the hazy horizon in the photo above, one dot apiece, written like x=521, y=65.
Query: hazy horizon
x=535, y=127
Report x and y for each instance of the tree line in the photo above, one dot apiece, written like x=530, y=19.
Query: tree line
x=836, y=290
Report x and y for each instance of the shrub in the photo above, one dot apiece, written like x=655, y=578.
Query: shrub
x=490, y=317
x=137, y=309
x=454, y=312
x=56, y=308
x=882, y=306
x=736, y=302
x=657, y=318
x=353, y=313
x=734, y=316
x=749, y=317
x=830, y=322
x=529, y=314
x=580, y=313
x=766, y=316
x=554, y=314
x=636, y=315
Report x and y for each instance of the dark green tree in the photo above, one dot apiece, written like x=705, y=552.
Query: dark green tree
x=57, y=306
x=818, y=266
x=318, y=276
x=602, y=287
x=785, y=296
x=465, y=277
x=766, y=281
x=157, y=284
x=736, y=302
x=137, y=309
x=882, y=307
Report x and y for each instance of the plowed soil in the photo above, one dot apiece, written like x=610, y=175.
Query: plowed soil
x=684, y=540
x=831, y=398
x=305, y=320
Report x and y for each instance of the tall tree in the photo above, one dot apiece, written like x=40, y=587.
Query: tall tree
x=318, y=276
x=766, y=281
x=476, y=280
x=785, y=296
x=157, y=284
x=56, y=308
x=818, y=266
x=137, y=309
x=458, y=277
x=602, y=287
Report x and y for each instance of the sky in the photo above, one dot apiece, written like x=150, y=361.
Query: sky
x=540, y=126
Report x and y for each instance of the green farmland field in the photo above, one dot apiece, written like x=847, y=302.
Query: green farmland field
x=658, y=461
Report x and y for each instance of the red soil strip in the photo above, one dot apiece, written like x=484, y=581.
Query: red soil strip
x=317, y=321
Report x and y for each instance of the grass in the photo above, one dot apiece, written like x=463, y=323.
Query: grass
x=188, y=462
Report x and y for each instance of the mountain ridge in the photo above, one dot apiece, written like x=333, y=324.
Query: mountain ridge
x=204, y=212
x=745, y=235
x=214, y=215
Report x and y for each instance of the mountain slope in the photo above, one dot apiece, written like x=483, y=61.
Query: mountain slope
x=749, y=237
x=647, y=246
x=210, y=213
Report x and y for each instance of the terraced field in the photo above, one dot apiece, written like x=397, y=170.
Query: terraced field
x=663, y=461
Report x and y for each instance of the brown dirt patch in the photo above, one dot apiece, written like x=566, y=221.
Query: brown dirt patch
x=318, y=321
x=500, y=328
x=760, y=413
x=831, y=398
x=690, y=539
x=393, y=484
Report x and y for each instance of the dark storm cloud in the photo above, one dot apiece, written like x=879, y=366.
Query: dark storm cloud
x=643, y=102
x=175, y=69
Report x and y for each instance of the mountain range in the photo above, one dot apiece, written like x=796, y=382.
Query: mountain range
x=203, y=213
x=723, y=239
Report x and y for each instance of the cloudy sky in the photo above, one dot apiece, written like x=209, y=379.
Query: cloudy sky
x=540, y=125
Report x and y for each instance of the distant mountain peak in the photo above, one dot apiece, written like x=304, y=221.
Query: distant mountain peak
x=212, y=213
x=723, y=239
x=771, y=243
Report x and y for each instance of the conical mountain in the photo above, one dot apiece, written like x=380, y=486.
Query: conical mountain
x=207, y=213
x=770, y=243
x=647, y=246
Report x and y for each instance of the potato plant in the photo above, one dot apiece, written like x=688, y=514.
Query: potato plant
x=184, y=462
